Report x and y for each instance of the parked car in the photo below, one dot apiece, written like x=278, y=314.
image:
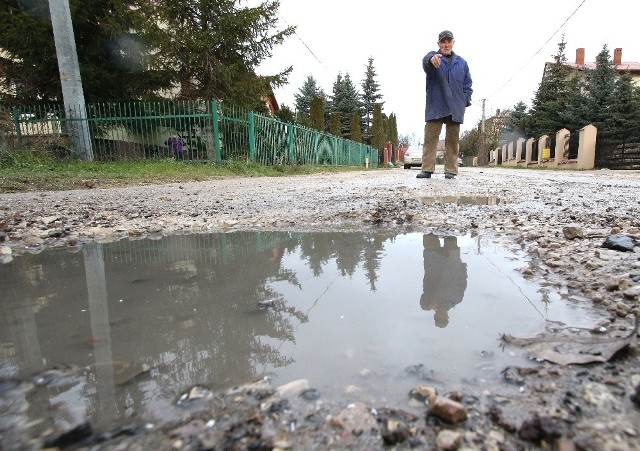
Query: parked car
x=412, y=157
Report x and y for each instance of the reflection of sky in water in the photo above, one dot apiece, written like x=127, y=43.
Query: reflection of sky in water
x=152, y=318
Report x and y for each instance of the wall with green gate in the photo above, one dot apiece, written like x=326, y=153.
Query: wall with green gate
x=198, y=131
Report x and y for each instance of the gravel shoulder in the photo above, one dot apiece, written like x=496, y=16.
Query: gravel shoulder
x=560, y=218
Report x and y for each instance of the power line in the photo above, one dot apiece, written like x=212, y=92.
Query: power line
x=540, y=49
x=305, y=45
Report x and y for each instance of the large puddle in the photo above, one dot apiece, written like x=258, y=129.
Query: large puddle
x=362, y=316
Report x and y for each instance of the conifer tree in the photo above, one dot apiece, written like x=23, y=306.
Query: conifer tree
x=335, y=125
x=552, y=96
x=624, y=111
x=575, y=114
x=592, y=98
x=356, y=130
x=370, y=97
x=385, y=128
x=518, y=123
x=345, y=101
x=131, y=49
x=317, y=114
x=305, y=96
x=377, y=128
x=213, y=47
x=599, y=86
x=285, y=114
x=392, y=130
x=113, y=59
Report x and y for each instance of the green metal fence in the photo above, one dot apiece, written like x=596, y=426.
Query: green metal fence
x=198, y=131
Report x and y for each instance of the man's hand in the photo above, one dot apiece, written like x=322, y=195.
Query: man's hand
x=435, y=60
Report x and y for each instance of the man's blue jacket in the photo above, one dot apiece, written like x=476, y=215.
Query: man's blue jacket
x=448, y=88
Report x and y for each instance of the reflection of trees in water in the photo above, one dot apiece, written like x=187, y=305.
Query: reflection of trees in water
x=348, y=249
x=211, y=309
x=317, y=251
x=546, y=299
x=198, y=308
x=372, y=256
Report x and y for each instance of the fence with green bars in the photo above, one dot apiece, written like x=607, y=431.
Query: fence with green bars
x=198, y=131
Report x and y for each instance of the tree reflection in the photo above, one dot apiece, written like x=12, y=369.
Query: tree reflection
x=198, y=309
x=348, y=249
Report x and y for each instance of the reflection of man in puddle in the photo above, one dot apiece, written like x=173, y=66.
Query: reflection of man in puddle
x=445, y=277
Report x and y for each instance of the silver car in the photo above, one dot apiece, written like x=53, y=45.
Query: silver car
x=412, y=157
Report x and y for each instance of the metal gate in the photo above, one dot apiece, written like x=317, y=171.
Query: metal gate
x=618, y=150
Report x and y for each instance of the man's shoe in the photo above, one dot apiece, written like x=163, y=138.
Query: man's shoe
x=424, y=175
x=449, y=175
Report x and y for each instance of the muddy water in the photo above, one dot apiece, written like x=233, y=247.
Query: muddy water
x=133, y=325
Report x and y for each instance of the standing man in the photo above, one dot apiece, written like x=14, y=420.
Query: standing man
x=448, y=96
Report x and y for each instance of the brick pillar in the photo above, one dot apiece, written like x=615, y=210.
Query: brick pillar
x=580, y=56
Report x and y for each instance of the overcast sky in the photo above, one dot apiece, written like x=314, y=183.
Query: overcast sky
x=505, y=42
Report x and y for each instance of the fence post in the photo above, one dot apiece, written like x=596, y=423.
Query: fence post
x=316, y=139
x=519, y=154
x=559, y=152
x=252, y=136
x=216, y=131
x=587, y=147
x=542, y=145
x=528, y=153
x=290, y=129
x=16, y=120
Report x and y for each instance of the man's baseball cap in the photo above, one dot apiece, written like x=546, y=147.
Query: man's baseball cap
x=445, y=34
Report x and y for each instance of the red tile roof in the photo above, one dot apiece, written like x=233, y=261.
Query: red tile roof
x=624, y=66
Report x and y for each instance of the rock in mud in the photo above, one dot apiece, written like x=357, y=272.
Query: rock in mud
x=447, y=410
x=619, y=242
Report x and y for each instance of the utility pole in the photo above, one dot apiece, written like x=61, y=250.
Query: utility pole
x=72, y=93
x=482, y=156
x=484, y=101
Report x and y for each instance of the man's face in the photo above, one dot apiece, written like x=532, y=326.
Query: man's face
x=446, y=46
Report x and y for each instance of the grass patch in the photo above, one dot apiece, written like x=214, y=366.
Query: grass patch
x=26, y=170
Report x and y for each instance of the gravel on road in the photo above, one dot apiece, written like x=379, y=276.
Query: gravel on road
x=561, y=219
